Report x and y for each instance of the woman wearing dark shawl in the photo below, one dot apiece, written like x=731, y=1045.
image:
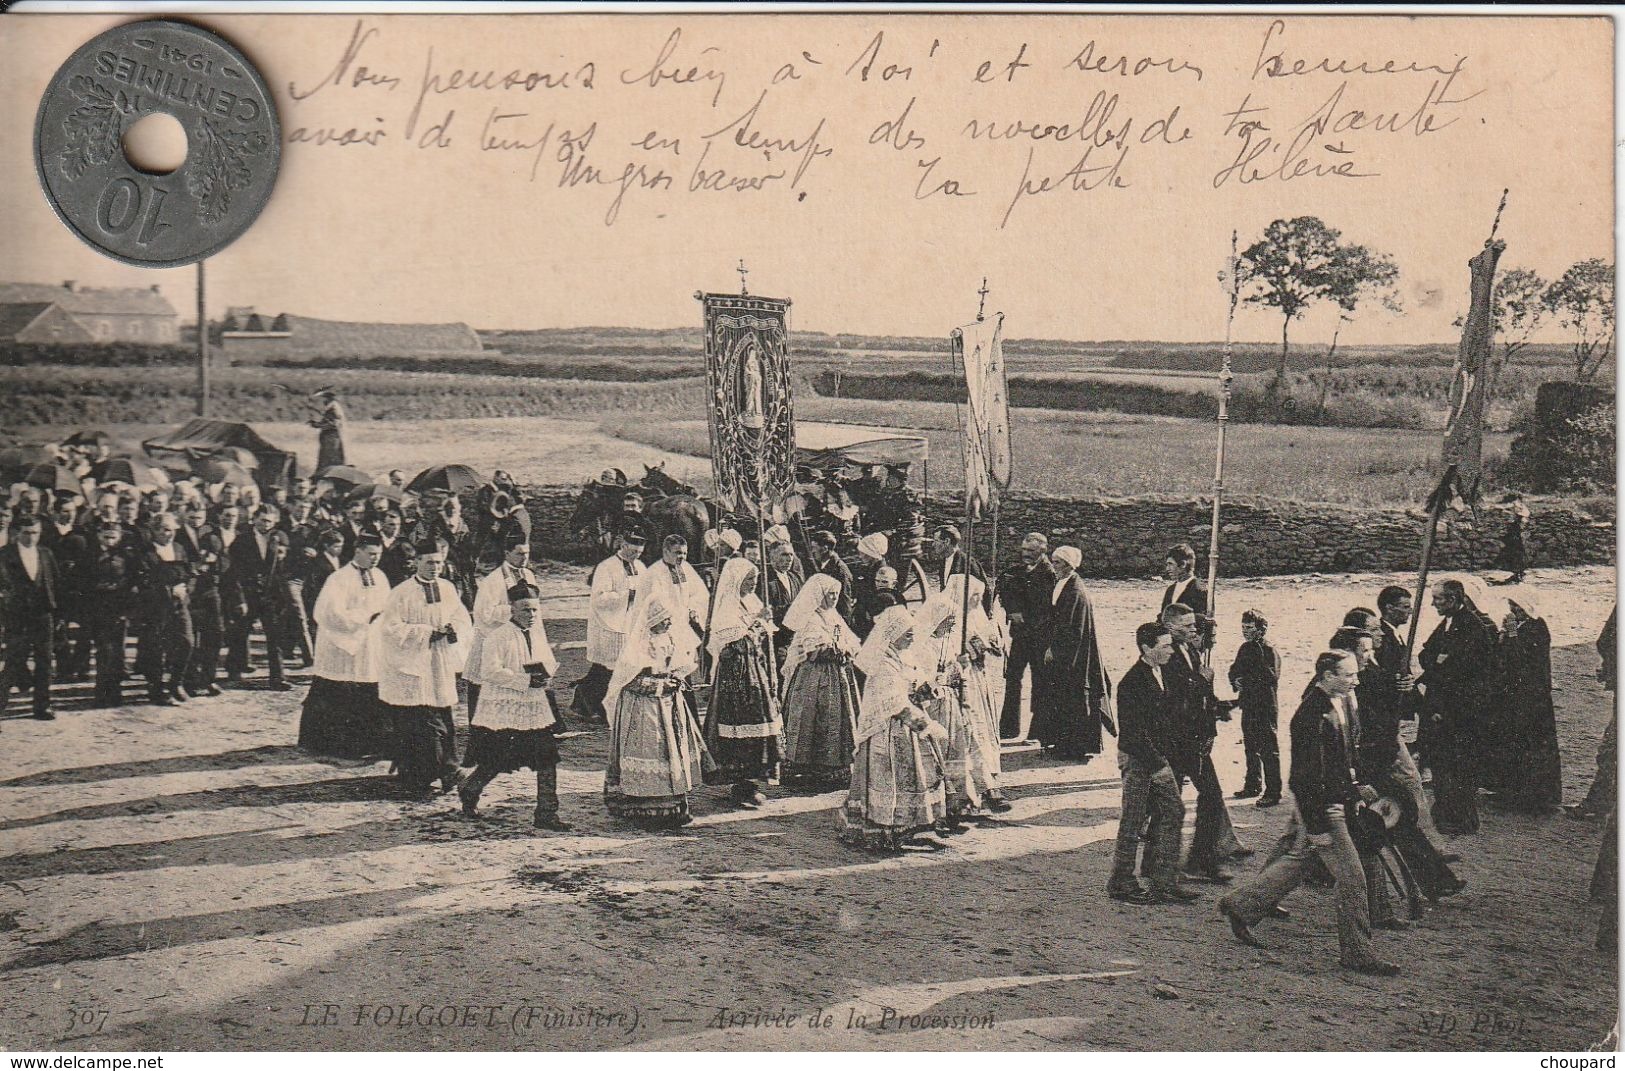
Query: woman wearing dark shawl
x=1067, y=710
x=1521, y=762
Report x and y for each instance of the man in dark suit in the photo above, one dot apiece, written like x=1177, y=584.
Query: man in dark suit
x=1025, y=589
x=1457, y=678
x=207, y=551
x=394, y=560
x=29, y=581
x=952, y=558
x=1148, y=735
x=1394, y=605
x=65, y=539
x=1191, y=683
x=111, y=575
x=1179, y=569
x=825, y=560
x=784, y=580
x=251, y=563
x=1326, y=795
x=1256, y=676
x=166, y=611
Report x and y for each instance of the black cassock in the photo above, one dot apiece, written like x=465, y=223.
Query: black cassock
x=1072, y=687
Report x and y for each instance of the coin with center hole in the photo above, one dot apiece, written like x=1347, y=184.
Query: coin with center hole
x=233, y=143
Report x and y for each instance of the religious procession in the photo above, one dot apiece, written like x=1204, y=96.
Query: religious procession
x=817, y=637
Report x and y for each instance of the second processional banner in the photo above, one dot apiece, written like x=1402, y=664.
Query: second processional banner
x=751, y=419
x=979, y=349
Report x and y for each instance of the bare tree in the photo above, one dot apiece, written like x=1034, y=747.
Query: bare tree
x=1583, y=301
x=1300, y=262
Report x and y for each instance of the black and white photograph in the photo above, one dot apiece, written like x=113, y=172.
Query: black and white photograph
x=769, y=528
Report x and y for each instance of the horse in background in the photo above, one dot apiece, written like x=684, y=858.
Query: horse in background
x=659, y=505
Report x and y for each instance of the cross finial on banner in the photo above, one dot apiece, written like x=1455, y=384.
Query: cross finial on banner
x=743, y=271
x=981, y=304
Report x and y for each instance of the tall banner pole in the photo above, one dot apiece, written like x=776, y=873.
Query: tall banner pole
x=1226, y=377
x=202, y=349
x=1462, y=454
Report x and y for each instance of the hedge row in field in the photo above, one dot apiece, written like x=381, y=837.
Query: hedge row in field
x=101, y=396
x=1248, y=404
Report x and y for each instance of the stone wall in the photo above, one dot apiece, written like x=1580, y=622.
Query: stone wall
x=1128, y=537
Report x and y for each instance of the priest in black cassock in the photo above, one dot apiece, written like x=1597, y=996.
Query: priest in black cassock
x=1075, y=697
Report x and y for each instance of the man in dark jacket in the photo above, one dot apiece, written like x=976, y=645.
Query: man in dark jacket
x=210, y=593
x=1326, y=793
x=110, y=577
x=1148, y=735
x=251, y=564
x=1025, y=589
x=826, y=560
x=29, y=583
x=1457, y=674
x=1256, y=675
x=166, y=611
x=1191, y=683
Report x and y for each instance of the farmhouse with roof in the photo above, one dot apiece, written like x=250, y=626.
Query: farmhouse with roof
x=39, y=312
x=248, y=337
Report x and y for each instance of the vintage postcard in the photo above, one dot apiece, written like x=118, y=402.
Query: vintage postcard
x=768, y=529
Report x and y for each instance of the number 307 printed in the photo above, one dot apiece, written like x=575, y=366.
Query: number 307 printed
x=86, y=1019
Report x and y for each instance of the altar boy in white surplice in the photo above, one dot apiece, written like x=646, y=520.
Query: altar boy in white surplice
x=423, y=638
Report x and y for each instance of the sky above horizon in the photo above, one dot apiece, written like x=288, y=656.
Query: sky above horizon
x=554, y=171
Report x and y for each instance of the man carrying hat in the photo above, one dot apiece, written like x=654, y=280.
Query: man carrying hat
x=614, y=585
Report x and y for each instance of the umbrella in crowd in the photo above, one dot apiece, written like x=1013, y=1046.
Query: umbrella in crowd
x=453, y=479
x=369, y=491
x=19, y=459
x=88, y=437
x=53, y=478
x=344, y=476
x=131, y=471
x=215, y=470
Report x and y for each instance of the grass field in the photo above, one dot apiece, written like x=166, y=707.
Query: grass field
x=1088, y=454
x=34, y=397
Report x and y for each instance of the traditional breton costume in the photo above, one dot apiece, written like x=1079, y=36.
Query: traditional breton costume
x=897, y=782
x=417, y=676
x=491, y=608
x=942, y=668
x=656, y=756
x=614, y=586
x=742, y=726
x=981, y=716
x=681, y=589
x=517, y=722
x=1067, y=710
x=1521, y=763
x=820, y=691
x=342, y=717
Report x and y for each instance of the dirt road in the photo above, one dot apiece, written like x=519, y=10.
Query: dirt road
x=184, y=878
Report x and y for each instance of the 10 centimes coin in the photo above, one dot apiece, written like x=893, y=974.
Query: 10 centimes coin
x=233, y=146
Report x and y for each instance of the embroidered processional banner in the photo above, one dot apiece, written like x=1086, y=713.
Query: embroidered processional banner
x=752, y=423
x=1469, y=383
x=980, y=350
